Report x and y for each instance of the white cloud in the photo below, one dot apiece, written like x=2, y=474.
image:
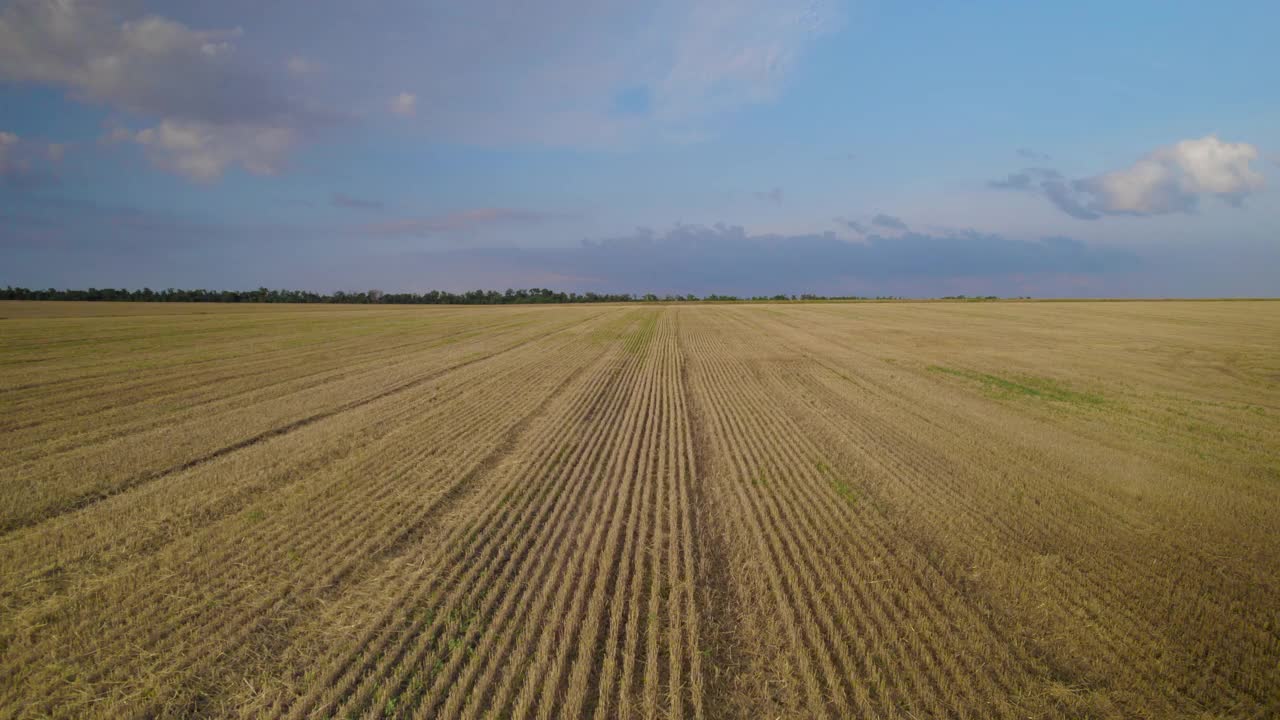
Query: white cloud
x=736, y=53
x=501, y=72
x=56, y=151
x=1167, y=180
x=203, y=152
x=213, y=111
x=146, y=65
x=552, y=73
x=405, y=103
x=1173, y=178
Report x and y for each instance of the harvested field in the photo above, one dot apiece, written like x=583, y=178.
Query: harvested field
x=896, y=510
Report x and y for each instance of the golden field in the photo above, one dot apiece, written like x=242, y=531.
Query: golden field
x=862, y=510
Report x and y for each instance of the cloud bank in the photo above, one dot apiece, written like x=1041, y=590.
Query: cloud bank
x=461, y=223
x=1170, y=179
x=726, y=259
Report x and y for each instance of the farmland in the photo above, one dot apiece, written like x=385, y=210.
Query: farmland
x=897, y=510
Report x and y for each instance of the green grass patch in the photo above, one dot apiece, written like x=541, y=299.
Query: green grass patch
x=845, y=489
x=1027, y=385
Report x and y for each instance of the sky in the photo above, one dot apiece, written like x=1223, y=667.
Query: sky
x=916, y=148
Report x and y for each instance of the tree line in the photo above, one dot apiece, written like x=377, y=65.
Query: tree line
x=431, y=297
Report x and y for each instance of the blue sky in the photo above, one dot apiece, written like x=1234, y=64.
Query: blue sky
x=916, y=148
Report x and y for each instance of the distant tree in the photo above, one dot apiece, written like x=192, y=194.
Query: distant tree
x=430, y=297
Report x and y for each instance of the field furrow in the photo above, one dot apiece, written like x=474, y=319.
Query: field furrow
x=795, y=509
